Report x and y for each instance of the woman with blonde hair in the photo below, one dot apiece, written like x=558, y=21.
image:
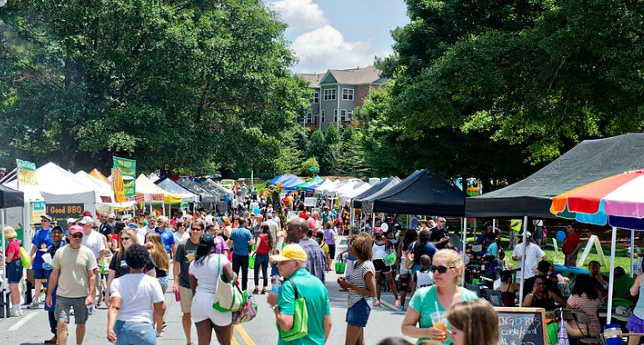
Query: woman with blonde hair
x=162, y=261
x=447, y=268
x=14, y=269
x=118, y=266
x=474, y=322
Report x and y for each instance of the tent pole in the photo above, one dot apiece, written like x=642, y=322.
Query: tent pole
x=464, y=232
x=373, y=221
x=525, y=233
x=4, y=269
x=353, y=214
x=611, y=278
x=632, y=250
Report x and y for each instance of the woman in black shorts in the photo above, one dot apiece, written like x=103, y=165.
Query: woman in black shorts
x=382, y=246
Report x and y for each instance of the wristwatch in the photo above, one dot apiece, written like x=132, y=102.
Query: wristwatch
x=274, y=307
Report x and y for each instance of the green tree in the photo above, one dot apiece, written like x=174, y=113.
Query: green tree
x=310, y=167
x=352, y=161
x=317, y=148
x=196, y=85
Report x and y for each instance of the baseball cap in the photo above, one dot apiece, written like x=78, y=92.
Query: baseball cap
x=291, y=252
x=86, y=214
x=133, y=226
x=207, y=239
x=57, y=227
x=47, y=217
x=75, y=229
x=86, y=220
x=71, y=220
x=377, y=230
x=111, y=215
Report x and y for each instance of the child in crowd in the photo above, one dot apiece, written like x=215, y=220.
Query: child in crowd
x=424, y=277
x=325, y=248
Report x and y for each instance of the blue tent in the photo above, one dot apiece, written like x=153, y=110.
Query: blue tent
x=292, y=182
x=274, y=179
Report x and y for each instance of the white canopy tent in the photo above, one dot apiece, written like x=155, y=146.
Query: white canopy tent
x=60, y=187
x=326, y=185
x=343, y=186
x=358, y=188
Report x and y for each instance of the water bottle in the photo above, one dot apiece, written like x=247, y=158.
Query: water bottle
x=276, y=285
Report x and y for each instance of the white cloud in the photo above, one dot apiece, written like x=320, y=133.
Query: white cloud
x=325, y=48
x=300, y=14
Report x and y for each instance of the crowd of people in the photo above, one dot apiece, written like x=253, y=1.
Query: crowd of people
x=99, y=260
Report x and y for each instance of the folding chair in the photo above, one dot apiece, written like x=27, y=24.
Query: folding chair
x=474, y=288
x=581, y=319
x=495, y=297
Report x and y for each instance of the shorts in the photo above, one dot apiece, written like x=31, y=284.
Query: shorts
x=635, y=324
x=39, y=273
x=186, y=299
x=63, y=306
x=381, y=266
x=202, y=310
x=163, y=281
x=14, y=272
x=358, y=314
x=141, y=333
x=538, y=235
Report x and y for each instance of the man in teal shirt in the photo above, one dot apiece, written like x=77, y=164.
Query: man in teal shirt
x=492, y=248
x=292, y=265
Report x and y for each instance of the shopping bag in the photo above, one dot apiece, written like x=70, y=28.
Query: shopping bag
x=25, y=258
x=247, y=312
x=300, y=319
x=229, y=296
x=390, y=259
x=251, y=258
x=340, y=265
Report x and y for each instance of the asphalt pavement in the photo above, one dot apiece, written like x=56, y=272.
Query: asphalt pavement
x=33, y=326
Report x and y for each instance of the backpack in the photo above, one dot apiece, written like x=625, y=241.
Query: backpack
x=25, y=258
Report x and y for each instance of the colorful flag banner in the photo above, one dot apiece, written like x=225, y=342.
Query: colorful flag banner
x=128, y=168
x=117, y=186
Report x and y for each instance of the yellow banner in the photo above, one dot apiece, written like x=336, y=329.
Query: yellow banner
x=117, y=186
x=26, y=173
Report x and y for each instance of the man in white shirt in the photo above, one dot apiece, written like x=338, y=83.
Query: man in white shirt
x=97, y=243
x=532, y=255
x=135, y=297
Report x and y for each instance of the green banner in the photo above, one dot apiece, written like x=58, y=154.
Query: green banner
x=128, y=168
x=130, y=187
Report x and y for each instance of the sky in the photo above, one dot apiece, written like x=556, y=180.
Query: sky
x=339, y=34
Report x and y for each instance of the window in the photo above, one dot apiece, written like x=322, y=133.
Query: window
x=349, y=114
x=343, y=115
x=311, y=117
x=335, y=115
x=323, y=117
x=329, y=94
x=347, y=94
x=316, y=97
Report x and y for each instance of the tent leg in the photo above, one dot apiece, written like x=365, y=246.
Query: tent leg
x=464, y=239
x=611, y=278
x=373, y=221
x=632, y=251
x=353, y=214
x=522, y=272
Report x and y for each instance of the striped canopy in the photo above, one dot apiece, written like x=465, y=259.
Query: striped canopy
x=617, y=200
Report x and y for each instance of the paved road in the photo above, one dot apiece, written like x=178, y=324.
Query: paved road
x=33, y=327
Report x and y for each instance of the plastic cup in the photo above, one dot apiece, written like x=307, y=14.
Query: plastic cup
x=439, y=321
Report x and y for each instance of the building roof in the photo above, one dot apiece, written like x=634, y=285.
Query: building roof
x=312, y=78
x=358, y=75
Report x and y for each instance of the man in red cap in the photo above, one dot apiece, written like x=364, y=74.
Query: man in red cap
x=74, y=269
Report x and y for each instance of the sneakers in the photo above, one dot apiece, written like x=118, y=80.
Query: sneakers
x=402, y=307
x=397, y=303
x=91, y=310
x=15, y=312
x=378, y=303
x=34, y=305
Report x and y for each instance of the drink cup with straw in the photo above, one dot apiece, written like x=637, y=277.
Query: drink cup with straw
x=439, y=321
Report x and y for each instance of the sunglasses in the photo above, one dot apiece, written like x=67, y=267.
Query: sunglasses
x=440, y=269
x=197, y=229
x=77, y=235
x=125, y=238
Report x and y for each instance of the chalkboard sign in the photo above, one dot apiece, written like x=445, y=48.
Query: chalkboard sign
x=522, y=326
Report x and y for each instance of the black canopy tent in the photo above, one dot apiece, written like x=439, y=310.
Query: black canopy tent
x=357, y=201
x=422, y=192
x=589, y=161
x=10, y=197
x=194, y=187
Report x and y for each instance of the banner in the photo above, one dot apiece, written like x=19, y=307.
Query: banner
x=37, y=210
x=61, y=212
x=117, y=186
x=26, y=173
x=128, y=168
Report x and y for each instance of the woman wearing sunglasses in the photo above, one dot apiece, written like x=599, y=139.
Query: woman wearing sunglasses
x=447, y=268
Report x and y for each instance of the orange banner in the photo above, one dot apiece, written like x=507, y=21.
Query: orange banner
x=117, y=186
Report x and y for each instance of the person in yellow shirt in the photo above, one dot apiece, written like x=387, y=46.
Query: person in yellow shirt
x=325, y=248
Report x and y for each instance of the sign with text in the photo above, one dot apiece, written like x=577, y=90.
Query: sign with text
x=37, y=210
x=117, y=186
x=26, y=173
x=522, y=326
x=60, y=212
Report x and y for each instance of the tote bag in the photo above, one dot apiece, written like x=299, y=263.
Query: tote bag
x=300, y=319
x=229, y=296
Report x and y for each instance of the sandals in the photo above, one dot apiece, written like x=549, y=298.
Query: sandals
x=255, y=291
x=264, y=291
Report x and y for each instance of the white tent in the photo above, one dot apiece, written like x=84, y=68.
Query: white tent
x=60, y=187
x=342, y=187
x=150, y=191
x=106, y=195
x=358, y=188
x=326, y=185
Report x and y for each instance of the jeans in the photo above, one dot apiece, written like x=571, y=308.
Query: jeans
x=261, y=260
x=241, y=261
x=134, y=333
